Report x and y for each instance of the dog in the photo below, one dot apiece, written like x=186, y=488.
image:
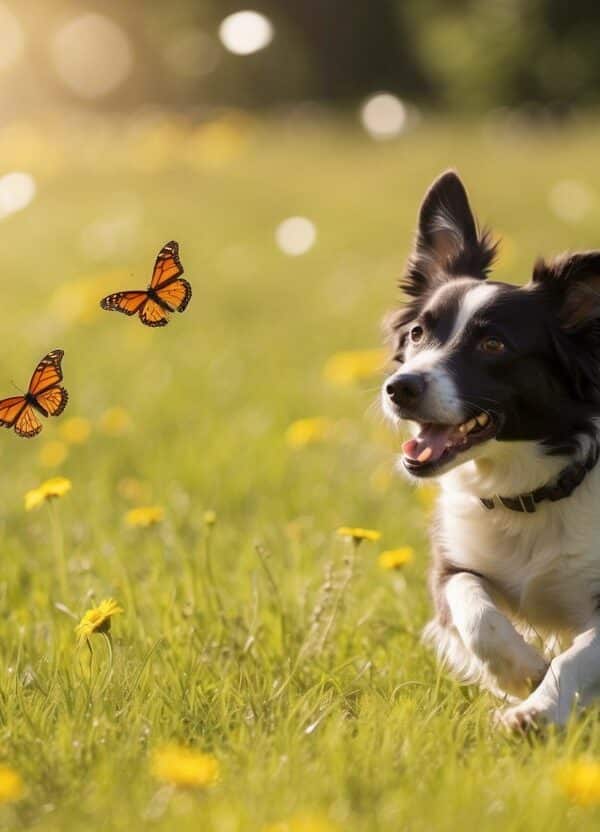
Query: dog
x=500, y=385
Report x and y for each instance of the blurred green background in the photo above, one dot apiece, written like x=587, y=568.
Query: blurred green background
x=460, y=55
x=286, y=147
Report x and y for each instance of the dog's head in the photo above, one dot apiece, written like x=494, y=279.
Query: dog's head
x=482, y=362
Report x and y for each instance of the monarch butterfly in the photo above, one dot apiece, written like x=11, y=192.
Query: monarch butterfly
x=167, y=291
x=44, y=395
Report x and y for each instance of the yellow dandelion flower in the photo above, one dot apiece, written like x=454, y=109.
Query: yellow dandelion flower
x=97, y=620
x=75, y=431
x=358, y=534
x=53, y=453
x=144, y=516
x=218, y=142
x=153, y=147
x=396, y=558
x=115, y=421
x=182, y=766
x=77, y=300
x=133, y=490
x=11, y=785
x=308, y=431
x=345, y=368
x=209, y=517
x=294, y=531
x=52, y=488
x=304, y=823
x=580, y=781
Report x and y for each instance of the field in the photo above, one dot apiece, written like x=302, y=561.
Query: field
x=264, y=639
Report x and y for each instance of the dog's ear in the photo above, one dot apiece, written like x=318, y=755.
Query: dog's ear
x=574, y=283
x=448, y=243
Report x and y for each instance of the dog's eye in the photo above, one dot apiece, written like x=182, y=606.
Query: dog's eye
x=492, y=345
x=416, y=334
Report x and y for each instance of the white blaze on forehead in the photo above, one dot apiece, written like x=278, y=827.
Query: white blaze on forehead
x=470, y=304
x=423, y=360
x=442, y=401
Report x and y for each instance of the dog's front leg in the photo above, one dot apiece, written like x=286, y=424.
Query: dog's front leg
x=514, y=665
x=573, y=679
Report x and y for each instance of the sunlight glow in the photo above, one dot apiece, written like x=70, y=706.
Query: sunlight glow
x=295, y=236
x=383, y=116
x=16, y=192
x=571, y=200
x=12, y=40
x=92, y=55
x=191, y=53
x=246, y=32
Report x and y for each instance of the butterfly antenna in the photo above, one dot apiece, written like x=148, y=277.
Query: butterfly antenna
x=17, y=388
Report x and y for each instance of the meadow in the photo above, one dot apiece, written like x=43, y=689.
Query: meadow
x=250, y=630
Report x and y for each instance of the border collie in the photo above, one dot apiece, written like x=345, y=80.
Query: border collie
x=500, y=385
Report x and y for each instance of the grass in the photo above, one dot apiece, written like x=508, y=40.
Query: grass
x=265, y=639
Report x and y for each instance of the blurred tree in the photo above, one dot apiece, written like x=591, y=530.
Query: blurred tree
x=457, y=54
x=356, y=47
x=509, y=52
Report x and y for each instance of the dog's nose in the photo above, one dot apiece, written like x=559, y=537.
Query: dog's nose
x=406, y=389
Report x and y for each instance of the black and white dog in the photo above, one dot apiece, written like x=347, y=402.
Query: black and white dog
x=501, y=386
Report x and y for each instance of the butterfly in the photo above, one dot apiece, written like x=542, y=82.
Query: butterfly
x=44, y=395
x=167, y=292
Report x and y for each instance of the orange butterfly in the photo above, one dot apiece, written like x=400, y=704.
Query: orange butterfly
x=44, y=395
x=167, y=291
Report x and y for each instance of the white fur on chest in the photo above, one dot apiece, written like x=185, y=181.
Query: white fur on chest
x=543, y=567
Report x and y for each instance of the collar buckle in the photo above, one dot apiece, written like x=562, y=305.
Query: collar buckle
x=523, y=503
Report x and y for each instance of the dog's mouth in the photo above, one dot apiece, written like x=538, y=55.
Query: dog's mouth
x=436, y=445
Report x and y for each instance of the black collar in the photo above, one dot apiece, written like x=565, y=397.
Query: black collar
x=564, y=485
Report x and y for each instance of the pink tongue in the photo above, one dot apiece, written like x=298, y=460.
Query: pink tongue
x=433, y=437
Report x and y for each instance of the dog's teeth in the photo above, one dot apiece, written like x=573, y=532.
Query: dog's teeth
x=424, y=455
x=483, y=419
x=467, y=427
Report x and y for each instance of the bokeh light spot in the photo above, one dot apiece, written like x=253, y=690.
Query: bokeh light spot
x=115, y=231
x=246, y=32
x=16, y=192
x=383, y=116
x=571, y=200
x=191, y=53
x=92, y=55
x=12, y=40
x=295, y=235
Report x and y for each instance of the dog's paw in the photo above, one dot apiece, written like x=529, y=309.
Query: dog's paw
x=518, y=671
x=520, y=719
x=516, y=666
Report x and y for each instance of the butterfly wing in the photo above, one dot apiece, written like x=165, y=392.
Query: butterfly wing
x=168, y=265
x=50, y=397
x=47, y=374
x=27, y=423
x=53, y=401
x=153, y=314
x=11, y=409
x=126, y=302
x=169, y=292
x=175, y=294
x=169, y=288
